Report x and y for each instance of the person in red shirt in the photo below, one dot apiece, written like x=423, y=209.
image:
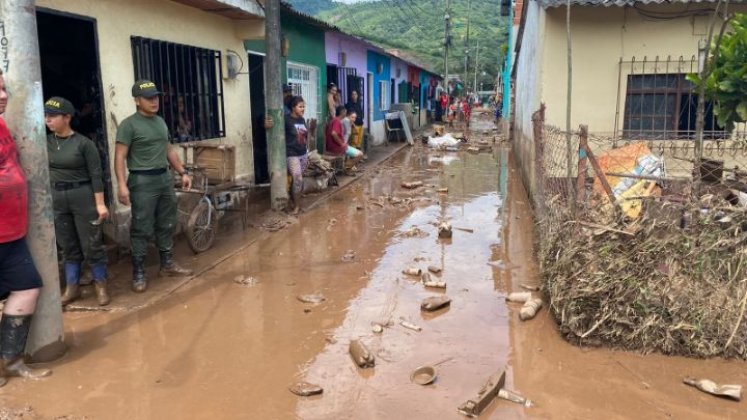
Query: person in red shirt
x=19, y=279
x=445, y=104
x=466, y=110
x=335, y=141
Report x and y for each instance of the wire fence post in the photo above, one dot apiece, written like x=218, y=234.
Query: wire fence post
x=583, y=144
x=538, y=126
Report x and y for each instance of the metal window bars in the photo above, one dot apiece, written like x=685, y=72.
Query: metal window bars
x=659, y=103
x=192, y=85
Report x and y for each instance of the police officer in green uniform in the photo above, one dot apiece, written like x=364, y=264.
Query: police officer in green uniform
x=78, y=199
x=143, y=142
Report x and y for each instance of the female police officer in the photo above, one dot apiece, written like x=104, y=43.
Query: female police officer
x=78, y=199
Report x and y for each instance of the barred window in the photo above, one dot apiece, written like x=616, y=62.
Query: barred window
x=191, y=81
x=664, y=106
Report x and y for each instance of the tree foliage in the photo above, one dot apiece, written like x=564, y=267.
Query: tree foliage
x=726, y=83
x=417, y=26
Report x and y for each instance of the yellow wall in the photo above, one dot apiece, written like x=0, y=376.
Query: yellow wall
x=164, y=20
x=601, y=36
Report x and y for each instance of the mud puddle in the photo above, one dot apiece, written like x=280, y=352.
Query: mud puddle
x=225, y=349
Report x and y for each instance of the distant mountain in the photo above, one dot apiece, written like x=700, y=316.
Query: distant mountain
x=417, y=27
x=312, y=7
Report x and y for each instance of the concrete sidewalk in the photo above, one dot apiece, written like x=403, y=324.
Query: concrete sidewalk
x=230, y=240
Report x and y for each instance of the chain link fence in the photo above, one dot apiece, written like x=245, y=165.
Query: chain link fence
x=642, y=243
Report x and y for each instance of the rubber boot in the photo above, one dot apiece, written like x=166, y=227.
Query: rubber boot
x=72, y=283
x=14, y=330
x=170, y=268
x=99, y=282
x=139, y=281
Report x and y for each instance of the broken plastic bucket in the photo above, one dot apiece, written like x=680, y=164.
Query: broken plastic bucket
x=423, y=375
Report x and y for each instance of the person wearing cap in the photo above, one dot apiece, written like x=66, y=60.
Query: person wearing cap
x=143, y=142
x=77, y=199
x=20, y=282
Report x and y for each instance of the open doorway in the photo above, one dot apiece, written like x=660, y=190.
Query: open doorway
x=259, y=134
x=70, y=68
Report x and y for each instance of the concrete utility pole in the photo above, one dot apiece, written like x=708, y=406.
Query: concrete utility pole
x=466, y=45
x=274, y=104
x=477, y=62
x=24, y=115
x=447, y=43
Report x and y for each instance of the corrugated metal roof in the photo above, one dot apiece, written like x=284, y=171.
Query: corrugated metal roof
x=618, y=3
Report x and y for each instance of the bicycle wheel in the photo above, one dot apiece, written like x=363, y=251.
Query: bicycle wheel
x=201, y=233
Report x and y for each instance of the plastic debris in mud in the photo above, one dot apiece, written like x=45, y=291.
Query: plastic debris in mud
x=433, y=269
x=410, y=326
x=305, y=389
x=424, y=375
x=349, y=256
x=377, y=328
x=530, y=309
x=435, y=303
x=412, y=271
x=243, y=280
x=412, y=184
x=514, y=397
x=529, y=287
x=315, y=298
x=473, y=407
x=361, y=355
x=733, y=392
x=443, y=190
x=444, y=230
x=429, y=282
x=414, y=232
x=519, y=297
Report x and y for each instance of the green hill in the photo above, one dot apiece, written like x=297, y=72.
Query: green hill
x=417, y=26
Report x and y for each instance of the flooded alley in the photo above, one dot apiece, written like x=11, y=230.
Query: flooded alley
x=230, y=343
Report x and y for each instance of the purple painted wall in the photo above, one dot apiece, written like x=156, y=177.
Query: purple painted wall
x=356, y=56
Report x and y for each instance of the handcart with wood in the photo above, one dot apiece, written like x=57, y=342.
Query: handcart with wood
x=214, y=180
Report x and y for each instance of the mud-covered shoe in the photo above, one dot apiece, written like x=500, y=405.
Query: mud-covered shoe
x=72, y=293
x=102, y=294
x=139, y=281
x=170, y=268
x=174, y=269
x=20, y=369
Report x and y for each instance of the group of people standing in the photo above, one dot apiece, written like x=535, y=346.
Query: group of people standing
x=144, y=147
x=453, y=108
x=343, y=135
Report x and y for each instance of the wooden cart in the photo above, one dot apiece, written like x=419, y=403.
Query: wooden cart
x=213, y=170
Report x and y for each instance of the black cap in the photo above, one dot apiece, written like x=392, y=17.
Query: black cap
x=144, y=88
x=287, y=88
x=58, y=105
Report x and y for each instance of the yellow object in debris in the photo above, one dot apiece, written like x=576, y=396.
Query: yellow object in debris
x=631, y=202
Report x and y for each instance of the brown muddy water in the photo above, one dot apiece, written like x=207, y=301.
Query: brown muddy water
x=223, y=350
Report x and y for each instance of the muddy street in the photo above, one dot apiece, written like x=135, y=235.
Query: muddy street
x=230, y=343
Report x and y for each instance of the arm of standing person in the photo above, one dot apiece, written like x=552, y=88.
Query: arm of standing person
x=337, y=138
x=120, y=154
x=93, y=163
x=175, y=163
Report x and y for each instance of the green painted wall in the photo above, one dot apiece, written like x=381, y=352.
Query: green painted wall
x=306, y=47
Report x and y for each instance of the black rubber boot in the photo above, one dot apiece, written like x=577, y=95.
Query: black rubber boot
x=139, y=281
x=170, y=268
x=14, y=330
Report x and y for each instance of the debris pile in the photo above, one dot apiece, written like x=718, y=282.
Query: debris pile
x=653, y=284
